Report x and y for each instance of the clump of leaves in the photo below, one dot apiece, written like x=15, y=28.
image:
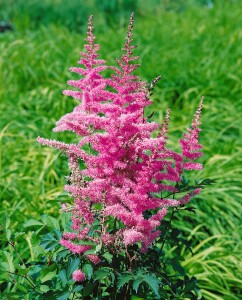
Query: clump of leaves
x=156, y=274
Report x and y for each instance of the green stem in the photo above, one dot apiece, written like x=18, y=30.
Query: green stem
x=12, y=244
x=171, y=218
x=23, y=276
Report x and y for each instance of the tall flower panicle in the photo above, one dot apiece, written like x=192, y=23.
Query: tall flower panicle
x=191, y=149
x=128, y=172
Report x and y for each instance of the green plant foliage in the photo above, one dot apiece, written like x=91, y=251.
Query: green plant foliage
x=157, y=274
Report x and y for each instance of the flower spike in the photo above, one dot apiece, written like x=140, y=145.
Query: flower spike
x=118, y=169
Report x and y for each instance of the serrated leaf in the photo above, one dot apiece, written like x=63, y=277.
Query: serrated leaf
x=64, y=296
x=88, y=270
x=51, y=222
x=34, y=272
x=101, y=274
x=108, y=256
x=152, y=282
x=4, y=276
x=65, y=219
x=73, y=264
x=77, y=288
x=22, y=270
x=62, y=275
x=44, y=288
x=61, y=254
x=124, y=279
x=21, y=287
x=57, y=234
x=49, y=242
x=47, y=273
x=136, y=284
x=32, y=222
x=9, y=261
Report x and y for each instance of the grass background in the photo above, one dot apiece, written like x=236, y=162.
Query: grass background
x=194, y=45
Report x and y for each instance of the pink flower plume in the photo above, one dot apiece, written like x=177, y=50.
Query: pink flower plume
x=119, y=169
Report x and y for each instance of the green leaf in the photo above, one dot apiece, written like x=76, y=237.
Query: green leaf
x=48, y=273
x=22, y=270
x=77, y=288
x=6, y=222
x=65, y=219
x=97, y=206
x=8, y=234
x=136, y=298
x=35, y=271
x=153, y=282
x=18, y=235
x=98, y=247
x=64, y=296
x=21, y=288
x=7, y=257
x=62, y=253
x=99, y=274
x=175, y=233
x=73, y=264
x=177, y=267
x=87, y=243
x=190, y=285
x=62, y=275
x=51, y=222
x=207, y=182
x=186, y=243
x=91, y=251
x=33, y=222
x=49, y=242
x=191, y=209
x=124, y=279
x=44, y=288
x=88, y=289
x=108, y=256
x=88, y=270
x=136, y=284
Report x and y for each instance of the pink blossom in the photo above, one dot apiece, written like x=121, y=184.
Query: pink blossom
x=94, y=258
x=69, y=235
x=74, y=248
x=185, y=199
x=132, y=236
x=78, y=275
x=117, y=161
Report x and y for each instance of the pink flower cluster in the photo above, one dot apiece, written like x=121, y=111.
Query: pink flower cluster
x=78, y=275
x=125, y=166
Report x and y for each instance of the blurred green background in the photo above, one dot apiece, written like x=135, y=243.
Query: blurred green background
x=195, y=45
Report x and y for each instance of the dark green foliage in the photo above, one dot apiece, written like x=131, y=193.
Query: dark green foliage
x=120, y=275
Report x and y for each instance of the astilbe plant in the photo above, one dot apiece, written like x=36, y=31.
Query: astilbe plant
x=123, y=179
